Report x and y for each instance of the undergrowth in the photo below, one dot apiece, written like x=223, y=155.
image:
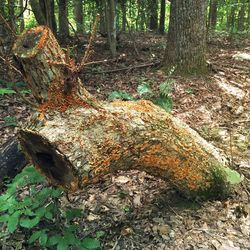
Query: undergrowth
x=160, y=98
x=34, y=213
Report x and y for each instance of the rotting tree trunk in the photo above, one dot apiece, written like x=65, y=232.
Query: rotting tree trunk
x=77, y=145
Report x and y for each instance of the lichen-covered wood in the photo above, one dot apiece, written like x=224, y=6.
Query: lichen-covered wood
x=74, y=147
x=78, y=138
x=35, y=49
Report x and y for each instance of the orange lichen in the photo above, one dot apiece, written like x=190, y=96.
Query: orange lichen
x=141, y=106
x=57, y=100
x=45, y=32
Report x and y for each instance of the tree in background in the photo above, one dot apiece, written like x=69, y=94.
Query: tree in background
x=212, y=15
x=186, y=41
x=111, y=25
x=44, y=12
x=63, y=19
x=153, y=19
x=162, y=17
x=22, y=25
x=124, y=19
x=78, y=15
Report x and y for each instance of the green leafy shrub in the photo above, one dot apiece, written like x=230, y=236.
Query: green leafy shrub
x=30, y=209
x=161, y=98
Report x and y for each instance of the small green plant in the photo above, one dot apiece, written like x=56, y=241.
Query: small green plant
x=30, y=209
x=144, y=90
x=161, y=98
x=8, y=88
x=122, y=95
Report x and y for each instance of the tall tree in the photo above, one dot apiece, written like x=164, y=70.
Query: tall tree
x=11, y=13
x=231, y=18
x=111, y=25
x=186, y=41
x=153, y=21
x=63, y=18
x=21, y=16
x=212, y=16
x=44, y=13
x=3, y=14
x=123, y=8
x=162, y=17
x=241, y=15
x=78, y=14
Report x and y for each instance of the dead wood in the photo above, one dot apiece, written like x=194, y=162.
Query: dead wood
x=77, y=138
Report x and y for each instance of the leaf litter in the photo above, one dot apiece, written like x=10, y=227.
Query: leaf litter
x=137, y=211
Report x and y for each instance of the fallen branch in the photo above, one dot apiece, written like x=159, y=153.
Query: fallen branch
x=127, y=68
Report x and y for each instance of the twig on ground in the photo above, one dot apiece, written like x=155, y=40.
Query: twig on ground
x=128, y=68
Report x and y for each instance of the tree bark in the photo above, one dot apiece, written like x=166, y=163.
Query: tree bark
x=71, y=147
x=162, y=17
x=42, y=71
x=111, y=25
x=44, y=13
x=153, y=21
x=22, y=24
x=186, y=41
x=241, y=16
x=78, y=13
x=123, y=8
x=212, y=17
x=63, y=19
x=11, y=12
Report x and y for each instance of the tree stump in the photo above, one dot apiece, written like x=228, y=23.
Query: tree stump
x=74, y=145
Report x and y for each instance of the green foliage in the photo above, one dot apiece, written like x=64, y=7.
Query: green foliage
x=32, y=210
x=161, y=98
x=7, y=88
x=122, y=95
x=4, y=91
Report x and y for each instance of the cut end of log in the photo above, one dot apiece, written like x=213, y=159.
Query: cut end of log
x=48, y=160
x=29, y=44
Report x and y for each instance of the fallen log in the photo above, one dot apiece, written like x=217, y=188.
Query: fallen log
x=76, y=138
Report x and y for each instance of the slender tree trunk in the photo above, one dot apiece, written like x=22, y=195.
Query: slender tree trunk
x=103, y=17
x=3, y=13
x=186, y=41
x=212, y=17
x=11, y=12
x=78, y=13
x=44, y=13
x=231, y=17
x=162, y=17
x=111, y=26
x=39, y=14
x=123, y=7
x=53, y=16
x=22, y=24
x=63, y=19
x=241, y=16
x=153, y=23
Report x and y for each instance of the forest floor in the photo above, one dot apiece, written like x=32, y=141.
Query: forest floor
x=135, y=210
